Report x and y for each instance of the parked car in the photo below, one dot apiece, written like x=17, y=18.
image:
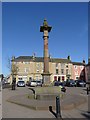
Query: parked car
x=61, y=85
x=5, y=84
x=71, y=83
x=80, y=83
x=33, y=83
x=56, y=83
x=21, y=83
x=39, y=83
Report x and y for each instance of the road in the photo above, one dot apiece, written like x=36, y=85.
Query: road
x=10, y=110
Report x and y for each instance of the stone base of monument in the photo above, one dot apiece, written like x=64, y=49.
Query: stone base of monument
x=46, y=79
x=46, y=93
x=47, y=96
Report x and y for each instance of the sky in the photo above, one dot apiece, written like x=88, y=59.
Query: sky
x=21, y=34
x=0, y=37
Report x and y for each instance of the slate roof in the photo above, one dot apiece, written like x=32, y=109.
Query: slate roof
x=60, y=60
x=40, y=59
x=28, y=58
x=78, y=63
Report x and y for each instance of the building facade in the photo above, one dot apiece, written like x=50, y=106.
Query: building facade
x=31, y=68
x=87, y=70
x=78, y=71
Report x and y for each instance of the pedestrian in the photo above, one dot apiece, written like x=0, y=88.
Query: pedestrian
x=3, y=84
x=13, y=83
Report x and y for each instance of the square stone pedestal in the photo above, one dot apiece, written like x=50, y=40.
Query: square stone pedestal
x=46, y=79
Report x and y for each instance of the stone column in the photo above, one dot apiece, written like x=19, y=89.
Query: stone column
x=45, y=29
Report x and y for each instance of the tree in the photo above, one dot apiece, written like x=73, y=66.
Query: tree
x=12, y=66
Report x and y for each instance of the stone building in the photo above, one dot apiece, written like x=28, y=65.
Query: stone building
x=87, y=70
x=31, y=68
x=78, y=69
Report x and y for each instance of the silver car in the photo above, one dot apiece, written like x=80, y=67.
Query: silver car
x=21, y=83
x=33, y=83
x=39, y=83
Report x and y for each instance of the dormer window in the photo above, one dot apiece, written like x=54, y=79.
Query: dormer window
x=56, y=65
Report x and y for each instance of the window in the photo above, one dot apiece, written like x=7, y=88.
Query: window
x=81, y=67
x=42, y=66
x=38, y=67
x=75, y=67
x=56, y=71
x=66, y=71
x=77, y=78
x=62, y=71
x=66, y=66
x=62, y=65
x=37, y=77
x=37, y=70
x=76, y=72
x=26, y=69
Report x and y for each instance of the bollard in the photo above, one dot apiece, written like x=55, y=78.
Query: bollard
x=58, y=110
